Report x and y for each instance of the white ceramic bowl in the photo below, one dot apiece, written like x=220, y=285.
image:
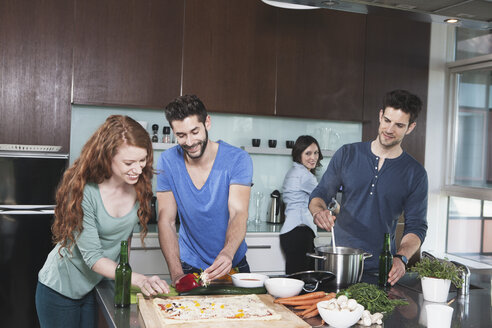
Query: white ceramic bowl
x=248, y=280
x=339, y=319
x=283, y=287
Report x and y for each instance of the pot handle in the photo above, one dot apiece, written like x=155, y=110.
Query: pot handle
x=316, y=256
x=367, y=255
x=311, y=290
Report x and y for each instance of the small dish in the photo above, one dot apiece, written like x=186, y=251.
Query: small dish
x=283, y=287
x=248, y=280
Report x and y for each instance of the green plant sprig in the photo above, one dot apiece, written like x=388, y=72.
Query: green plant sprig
x=371, y=297
x=435, y=268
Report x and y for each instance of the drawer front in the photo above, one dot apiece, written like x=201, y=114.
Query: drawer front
x=149, y=261
x=264, y=255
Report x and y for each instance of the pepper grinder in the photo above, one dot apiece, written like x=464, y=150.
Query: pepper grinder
x=155, y=128
x=166, y=138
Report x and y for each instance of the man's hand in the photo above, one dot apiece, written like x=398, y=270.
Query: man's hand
x=397, y=271
x=221, y=266
x=324, y=219
x=176, y=278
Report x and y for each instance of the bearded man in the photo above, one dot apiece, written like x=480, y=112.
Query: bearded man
x=208, y=184
x=379, y=182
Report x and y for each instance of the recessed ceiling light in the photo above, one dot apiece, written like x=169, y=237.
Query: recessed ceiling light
x=452, y=20
x=330, y=3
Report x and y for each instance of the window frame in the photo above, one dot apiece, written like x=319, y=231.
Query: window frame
x=454, y=69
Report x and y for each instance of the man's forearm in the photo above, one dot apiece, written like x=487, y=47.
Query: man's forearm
x=236, y=231
x=316, y=205
x=168, y=241
x=410, y=244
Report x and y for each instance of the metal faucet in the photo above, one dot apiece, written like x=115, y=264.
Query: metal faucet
x=464, y=289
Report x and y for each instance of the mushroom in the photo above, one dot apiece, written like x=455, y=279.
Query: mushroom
x=352, y=304
x=366, y=321
x=377, y=318
x=342, y=299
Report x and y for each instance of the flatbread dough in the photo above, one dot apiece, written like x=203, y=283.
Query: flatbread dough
x=176, y=310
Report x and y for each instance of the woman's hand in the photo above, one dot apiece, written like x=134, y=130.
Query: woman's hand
x=152, y=285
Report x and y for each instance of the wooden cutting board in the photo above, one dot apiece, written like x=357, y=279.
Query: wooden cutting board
x=288, y=320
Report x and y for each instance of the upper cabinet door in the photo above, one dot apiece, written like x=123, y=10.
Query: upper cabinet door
x=35, y=72
x=229, y=55
x=397, y=57
x=320, y=64
x=127, y=52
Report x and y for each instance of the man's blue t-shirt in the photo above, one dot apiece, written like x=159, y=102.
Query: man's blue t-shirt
x=204, y=213
x=372, y=199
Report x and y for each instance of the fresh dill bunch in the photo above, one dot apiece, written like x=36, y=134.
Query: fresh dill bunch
x=372, y=298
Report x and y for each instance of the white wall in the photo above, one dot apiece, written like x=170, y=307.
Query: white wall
x=435, y=147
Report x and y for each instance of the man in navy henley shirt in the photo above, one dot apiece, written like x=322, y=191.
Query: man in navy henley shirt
x=380, y=182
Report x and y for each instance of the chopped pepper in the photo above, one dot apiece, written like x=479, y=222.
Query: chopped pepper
x=187, y=282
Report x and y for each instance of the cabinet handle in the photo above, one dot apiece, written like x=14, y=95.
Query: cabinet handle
x=140, y=248
x=259, y=246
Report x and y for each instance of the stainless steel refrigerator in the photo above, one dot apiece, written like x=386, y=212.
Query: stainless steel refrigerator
x=28, y=182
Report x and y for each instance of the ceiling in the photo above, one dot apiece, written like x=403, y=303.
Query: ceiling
x=474, y=14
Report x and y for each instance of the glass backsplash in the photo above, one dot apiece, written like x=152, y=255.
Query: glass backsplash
x=238, y=130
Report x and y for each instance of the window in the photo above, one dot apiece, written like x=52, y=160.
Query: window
x=469, y=227
x=469, y=171
x=473, y=166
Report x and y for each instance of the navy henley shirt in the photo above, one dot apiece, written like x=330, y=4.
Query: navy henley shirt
x=372, y=199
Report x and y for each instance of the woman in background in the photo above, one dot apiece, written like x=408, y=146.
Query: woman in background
x=298, y=232
x=101, y=198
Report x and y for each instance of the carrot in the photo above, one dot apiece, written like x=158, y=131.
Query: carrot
x=302, y=307
x=311, y=314
x=306, y=296
x=309, y=309
x=314, y=306
x=302, y=302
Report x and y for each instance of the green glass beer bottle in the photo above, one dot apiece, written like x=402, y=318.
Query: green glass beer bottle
x=385, y=261
x=122, y=278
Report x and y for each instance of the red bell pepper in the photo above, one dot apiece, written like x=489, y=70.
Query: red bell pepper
x=187, y=282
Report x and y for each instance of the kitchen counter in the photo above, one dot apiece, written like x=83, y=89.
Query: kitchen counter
x=252, y=227
x=473, y=310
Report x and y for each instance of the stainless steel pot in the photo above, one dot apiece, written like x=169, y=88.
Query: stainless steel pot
x=346, y=263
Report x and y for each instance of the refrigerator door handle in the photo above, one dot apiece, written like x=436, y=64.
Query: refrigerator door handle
x=26, y=207
x=24, y=212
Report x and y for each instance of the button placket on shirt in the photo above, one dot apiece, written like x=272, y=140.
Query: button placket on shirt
x=374, y=180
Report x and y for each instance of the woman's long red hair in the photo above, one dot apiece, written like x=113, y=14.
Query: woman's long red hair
x=94, y=165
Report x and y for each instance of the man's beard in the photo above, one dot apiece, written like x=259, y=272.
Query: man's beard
x=390, y=144
x=203, y=144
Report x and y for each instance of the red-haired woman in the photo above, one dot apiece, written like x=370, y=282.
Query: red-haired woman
x=102, y=196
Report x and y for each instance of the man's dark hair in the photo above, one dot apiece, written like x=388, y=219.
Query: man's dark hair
x=184, y=106
x=405, y=101
x=300, y=146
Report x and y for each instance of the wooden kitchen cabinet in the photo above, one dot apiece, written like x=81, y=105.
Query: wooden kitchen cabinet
x=35, y=74
x=397, y=57
x=320, y=64
x=127, y=52
x=229, y=55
